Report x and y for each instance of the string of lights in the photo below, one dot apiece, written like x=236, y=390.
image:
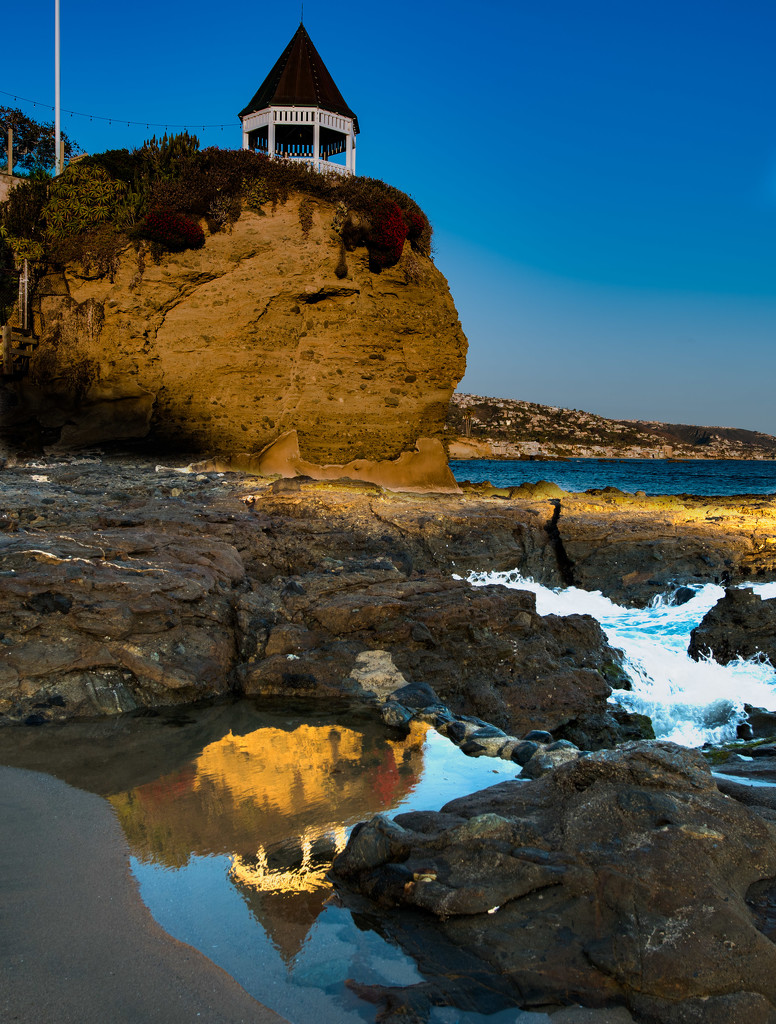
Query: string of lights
x=117, y=120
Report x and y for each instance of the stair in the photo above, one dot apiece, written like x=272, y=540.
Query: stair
x=17, y=347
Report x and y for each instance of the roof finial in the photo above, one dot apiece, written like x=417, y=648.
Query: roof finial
x=301, y=19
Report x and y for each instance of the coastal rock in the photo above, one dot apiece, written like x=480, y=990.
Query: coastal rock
x=537, y=753
x=303, y=578
x=425, y=470
x=484, y=650
x=128, y=584
x=633, y=548
x=113, y=620
x=761, y=722
x=225, y=348
x=740, y=625
x=621, y=878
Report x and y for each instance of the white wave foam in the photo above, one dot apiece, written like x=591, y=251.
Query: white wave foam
x=689, y=702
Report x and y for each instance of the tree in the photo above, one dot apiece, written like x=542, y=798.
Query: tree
x=33, y=142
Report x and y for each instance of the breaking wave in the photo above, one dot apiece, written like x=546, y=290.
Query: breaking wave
x=689, y=702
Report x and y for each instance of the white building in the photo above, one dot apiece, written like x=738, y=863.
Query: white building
x=299, y=113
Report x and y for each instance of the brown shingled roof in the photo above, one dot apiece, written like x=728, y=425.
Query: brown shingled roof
x=300, y=78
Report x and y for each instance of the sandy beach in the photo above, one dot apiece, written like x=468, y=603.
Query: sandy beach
x=77, y=945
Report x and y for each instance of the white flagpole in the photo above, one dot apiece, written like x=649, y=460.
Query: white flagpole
x=57, y=97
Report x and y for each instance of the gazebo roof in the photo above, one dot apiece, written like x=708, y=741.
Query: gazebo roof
x=300, y=78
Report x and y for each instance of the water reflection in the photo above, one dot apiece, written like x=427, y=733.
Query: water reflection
x=279, y=802
x=233, y=814
x=271, y=793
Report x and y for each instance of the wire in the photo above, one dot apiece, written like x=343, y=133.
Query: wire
x=118, y=120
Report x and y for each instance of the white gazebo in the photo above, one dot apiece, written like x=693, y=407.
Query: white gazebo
x=299, y=113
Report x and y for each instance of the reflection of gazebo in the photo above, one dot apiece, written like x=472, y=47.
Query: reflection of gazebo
x=299, y=113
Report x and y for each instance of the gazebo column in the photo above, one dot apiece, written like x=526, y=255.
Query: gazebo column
x=350, y=153
x=317, y=140
x=271, y=135
x=246, y=143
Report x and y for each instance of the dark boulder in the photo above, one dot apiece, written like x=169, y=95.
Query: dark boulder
x=493, y=657
x=740, y=624
x=620, y=878
x=761, y=721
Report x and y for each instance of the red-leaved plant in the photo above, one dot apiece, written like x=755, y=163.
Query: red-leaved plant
x=418, y=229
x=386, y=236
x=175, y=231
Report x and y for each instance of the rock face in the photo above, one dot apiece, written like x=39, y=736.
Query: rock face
x=740, y=624
x=623, y=877
x=224, y=348
x=101, y=622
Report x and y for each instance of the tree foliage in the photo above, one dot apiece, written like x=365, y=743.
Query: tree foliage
x=33, y=142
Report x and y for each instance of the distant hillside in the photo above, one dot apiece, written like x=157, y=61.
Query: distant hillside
x=481, y=427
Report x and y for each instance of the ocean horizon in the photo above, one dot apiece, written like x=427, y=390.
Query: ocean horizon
x=705, y=477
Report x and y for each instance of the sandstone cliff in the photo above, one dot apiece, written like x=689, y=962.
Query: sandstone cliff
x=223, y=349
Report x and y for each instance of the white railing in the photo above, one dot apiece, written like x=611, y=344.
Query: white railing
x=254, y=121
x=322, y=166
x=297, y=115
x=342, y=124
x=294, y=115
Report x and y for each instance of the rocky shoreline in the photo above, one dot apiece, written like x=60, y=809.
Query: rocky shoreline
x=128, y=585
x=623, y=878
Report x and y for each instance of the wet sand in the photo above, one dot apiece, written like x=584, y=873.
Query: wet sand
x=77, y=945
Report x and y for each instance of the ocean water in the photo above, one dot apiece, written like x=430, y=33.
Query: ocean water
x=653, y=476
x=689, y=702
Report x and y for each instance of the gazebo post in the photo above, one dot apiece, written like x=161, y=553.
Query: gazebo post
x=350, y=153
x=316, y=139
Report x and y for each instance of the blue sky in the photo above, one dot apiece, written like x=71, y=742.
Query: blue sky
x=601, y=175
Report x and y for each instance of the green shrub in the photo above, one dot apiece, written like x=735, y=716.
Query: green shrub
x=223, y=211
x=168, y=157
x=172, y=177
x=99, y=249
x=255, y=194
x=83, y=198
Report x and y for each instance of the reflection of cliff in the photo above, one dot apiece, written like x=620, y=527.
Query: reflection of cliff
x=278, y=801
x=269, y=789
